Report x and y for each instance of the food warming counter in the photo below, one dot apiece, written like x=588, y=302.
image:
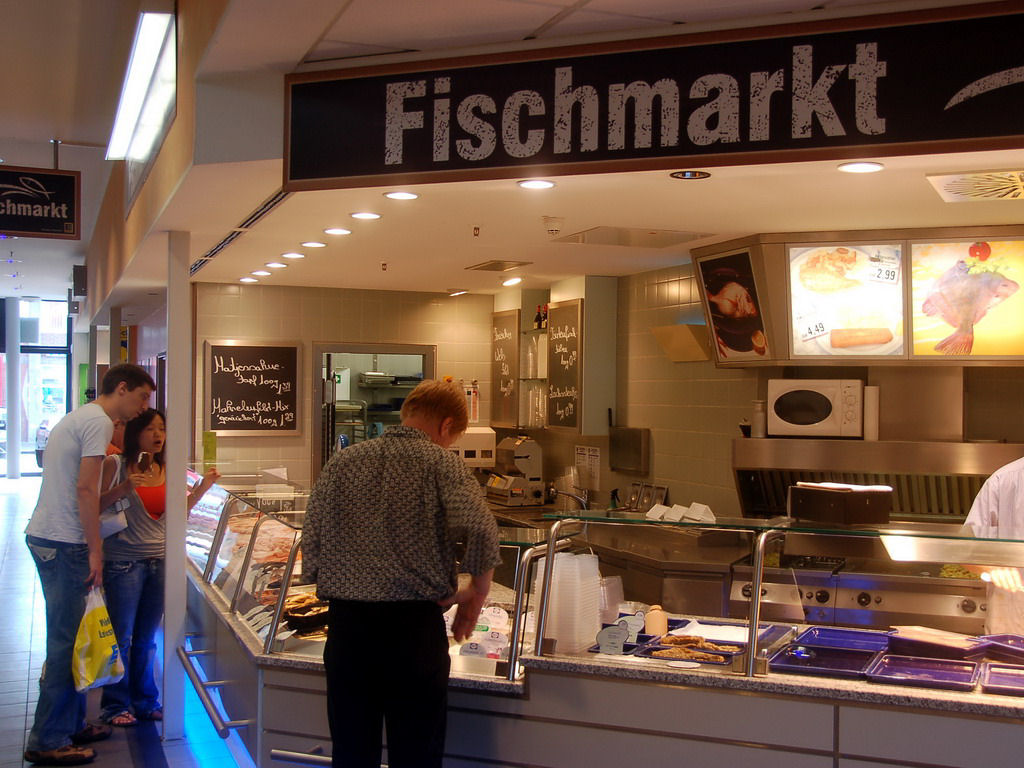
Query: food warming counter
x=573, y=709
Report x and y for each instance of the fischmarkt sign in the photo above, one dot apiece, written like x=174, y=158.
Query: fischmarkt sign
x=896, y=84
x=35, y=202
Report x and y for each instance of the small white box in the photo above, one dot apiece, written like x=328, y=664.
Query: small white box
x=476, y=447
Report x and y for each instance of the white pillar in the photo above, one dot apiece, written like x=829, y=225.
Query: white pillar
x=90, y=379
x=114, y=342
x=13, y=341
x=179, y=433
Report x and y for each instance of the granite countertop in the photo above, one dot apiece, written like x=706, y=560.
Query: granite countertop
x=831, y=689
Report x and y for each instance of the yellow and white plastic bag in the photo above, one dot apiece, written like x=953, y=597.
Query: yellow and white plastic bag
x=97, y=659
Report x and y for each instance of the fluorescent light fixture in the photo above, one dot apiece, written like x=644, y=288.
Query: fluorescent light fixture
x=260, y=273
x=314, y=244
x=512, y=281
x=861, y=166
x=275, y=265
x=337, y=231
x=536, y=184
x=145, y=85
x=293, y=255
x=365, y=215
x=401, y=195
x=457, y=291
x=248, y=280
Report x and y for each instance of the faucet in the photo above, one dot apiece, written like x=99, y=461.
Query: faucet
x=581, y=500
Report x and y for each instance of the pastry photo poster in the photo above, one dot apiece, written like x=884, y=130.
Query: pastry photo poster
x=734, y=308
x=846, y=300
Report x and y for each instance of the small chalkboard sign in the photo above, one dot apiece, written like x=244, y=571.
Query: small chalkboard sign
x=252, y=389
x=504, y=368
x=565, y=347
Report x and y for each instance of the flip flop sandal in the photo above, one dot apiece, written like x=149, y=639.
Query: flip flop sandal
x=122, y=719
x=67, y=755
x=92, y=732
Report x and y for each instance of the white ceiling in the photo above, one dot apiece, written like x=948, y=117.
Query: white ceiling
x=71, y=56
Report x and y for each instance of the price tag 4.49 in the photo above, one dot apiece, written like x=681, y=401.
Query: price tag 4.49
x=811, y=327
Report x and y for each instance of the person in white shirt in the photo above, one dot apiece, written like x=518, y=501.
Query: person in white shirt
x=998, y=513
x=63, y=536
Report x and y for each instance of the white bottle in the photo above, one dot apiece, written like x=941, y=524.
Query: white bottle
x=758, y=422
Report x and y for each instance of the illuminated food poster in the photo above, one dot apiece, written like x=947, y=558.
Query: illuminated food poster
x=966, y=299
x=847, y=300
x=734, y=308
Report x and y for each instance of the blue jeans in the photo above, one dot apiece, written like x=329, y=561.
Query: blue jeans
x=60, y=711
x=135, y=601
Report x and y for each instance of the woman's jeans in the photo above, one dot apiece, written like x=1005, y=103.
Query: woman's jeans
x=60, y=710
x=135, y=601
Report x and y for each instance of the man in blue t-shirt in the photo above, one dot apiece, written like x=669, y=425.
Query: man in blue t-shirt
x=63, y=536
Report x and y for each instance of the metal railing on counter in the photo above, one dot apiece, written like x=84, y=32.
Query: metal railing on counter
x=221, y=726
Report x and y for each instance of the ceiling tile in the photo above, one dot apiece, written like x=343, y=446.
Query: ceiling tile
x=676, y=11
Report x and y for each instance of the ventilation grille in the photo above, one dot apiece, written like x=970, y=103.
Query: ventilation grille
x=248, y=223
x=979, y=186
x=944, y=498
x=628, y=237
x=497, y=265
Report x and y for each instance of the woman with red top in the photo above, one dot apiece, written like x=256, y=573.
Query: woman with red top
x=133, y=569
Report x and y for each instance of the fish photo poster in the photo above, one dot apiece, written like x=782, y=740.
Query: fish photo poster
x=966, y=299
x=734, y=308
x=846, y=300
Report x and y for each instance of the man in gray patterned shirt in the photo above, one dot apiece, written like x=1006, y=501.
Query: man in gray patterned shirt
x=379, y=540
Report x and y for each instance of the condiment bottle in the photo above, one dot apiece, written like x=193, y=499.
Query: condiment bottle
x=537, y=319
x=656, y=621
x=758, y=422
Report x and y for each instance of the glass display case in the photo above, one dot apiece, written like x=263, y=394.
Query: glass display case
x=914, y=604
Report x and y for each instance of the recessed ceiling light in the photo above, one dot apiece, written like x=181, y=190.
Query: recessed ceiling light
x=293, y=255
x=512, y=281
x=536, y=184
x=457, y=291
x=248, y=280
x=365, y=215
x=260, y=272
x=314, y=244
x=861, y=167
x=275, y=265
x=337, y=231
x=689, y=175
x=401, y=195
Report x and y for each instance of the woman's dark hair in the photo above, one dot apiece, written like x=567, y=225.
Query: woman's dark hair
x=134, y=428
x=735, y=332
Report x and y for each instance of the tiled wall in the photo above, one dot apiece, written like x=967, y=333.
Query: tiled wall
x=459, y=327
x=692, y=408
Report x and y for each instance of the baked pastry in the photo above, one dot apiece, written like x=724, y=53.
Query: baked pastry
x=682, y=652
x=827, y=271
x=696, y=641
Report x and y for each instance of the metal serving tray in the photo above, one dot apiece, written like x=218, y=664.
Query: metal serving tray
x=822, y=660
x=949, y=674
x=905, y=646
x=839, y=637
x=1009, y=648
x=647, y=651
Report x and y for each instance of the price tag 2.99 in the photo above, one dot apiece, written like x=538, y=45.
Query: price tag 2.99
x=884, y=268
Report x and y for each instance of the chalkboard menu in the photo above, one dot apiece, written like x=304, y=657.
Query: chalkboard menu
x=252, y=389
x=565, y=348
x=504, y=368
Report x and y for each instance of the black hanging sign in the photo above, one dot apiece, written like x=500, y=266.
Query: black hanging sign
x=35, y=202
x=504, y=368
x=252, y=389
x=872, y=90
x=565, y=343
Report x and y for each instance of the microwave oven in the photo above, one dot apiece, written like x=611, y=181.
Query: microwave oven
x=815, y=408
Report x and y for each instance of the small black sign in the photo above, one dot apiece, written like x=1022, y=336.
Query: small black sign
x=565, y=342
x=252, y=389
x=35, y=202
x=880, y=87
x=504, y=368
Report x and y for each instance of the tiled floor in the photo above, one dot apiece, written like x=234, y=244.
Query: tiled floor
x=22, y=643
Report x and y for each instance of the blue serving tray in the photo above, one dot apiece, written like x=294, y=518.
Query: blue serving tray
x=822, y=660
x=840, y=637
x=905, y=646
x=1007, y=679
x=1009, y=648
x=627, y=648
x=950, y=674
x=648, y=650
